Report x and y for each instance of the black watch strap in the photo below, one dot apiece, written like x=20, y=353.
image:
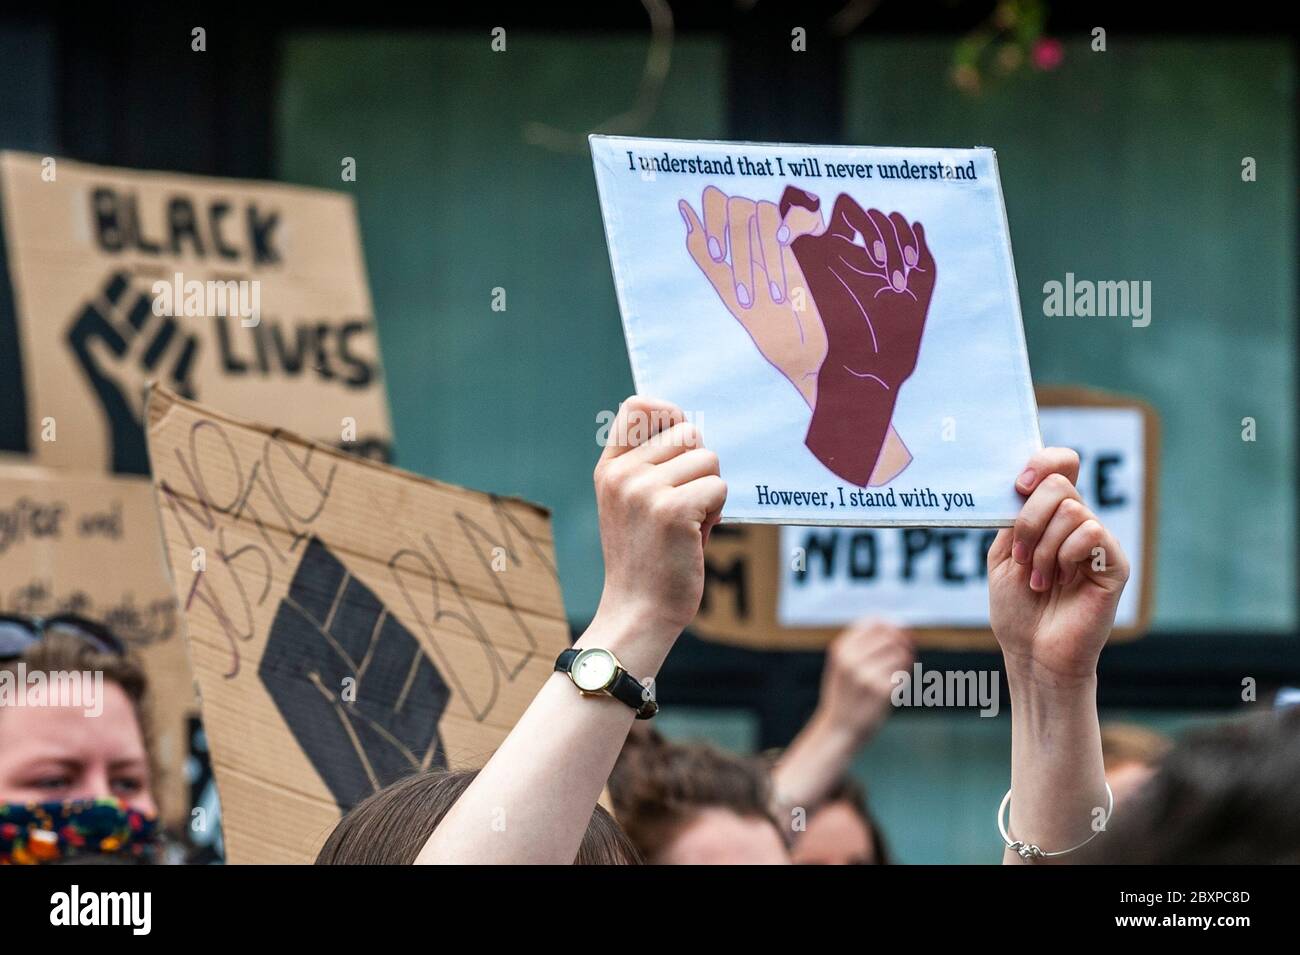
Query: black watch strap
x=629, y=690
x=626, y=689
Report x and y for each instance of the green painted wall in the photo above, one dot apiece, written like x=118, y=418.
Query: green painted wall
x=1127, y=165
x=454, y=203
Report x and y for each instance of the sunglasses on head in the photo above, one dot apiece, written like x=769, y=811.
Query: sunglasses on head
x=18, y=634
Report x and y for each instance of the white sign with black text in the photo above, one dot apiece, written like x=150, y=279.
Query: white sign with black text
x=935, y=577
x=843, y=320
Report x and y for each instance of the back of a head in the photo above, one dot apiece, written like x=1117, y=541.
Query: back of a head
x=660, y=789
x=391, y=826
x=1223, y=795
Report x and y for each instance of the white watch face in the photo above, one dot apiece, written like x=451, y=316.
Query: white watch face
x=593, y=669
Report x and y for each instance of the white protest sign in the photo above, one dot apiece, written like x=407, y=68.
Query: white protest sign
x=935, y=578
x=842, y=323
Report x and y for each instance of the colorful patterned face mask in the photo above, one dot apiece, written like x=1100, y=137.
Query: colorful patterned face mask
x=32, y=833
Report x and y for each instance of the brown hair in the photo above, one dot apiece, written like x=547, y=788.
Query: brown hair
x=658, y=788
x=1124, y=743
x=391, y=826
x=1224, y=795
x=62, y=652
x=850, y=792
x=59, y=652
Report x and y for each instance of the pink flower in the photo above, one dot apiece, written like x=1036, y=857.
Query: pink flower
x=1048, y=53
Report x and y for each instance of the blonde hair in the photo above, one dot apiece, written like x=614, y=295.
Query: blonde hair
x=1125, y=743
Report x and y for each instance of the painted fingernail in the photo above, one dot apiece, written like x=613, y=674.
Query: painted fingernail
x=1019, y=552
x=897, y=280
x=1035, y=581
x=681, y=207
x=742, y=294
x=1026, y=479
x=775, y=290
x=878, y=250
x=715, y=250
x=783, y=234
x=909, y=255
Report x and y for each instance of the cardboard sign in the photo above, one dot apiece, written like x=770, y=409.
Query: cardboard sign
x=349, y=623
x=798, y=587
x=245, y=295
x=842, y=323
x=90, y=544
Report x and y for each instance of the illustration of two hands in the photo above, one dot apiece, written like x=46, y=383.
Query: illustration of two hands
x=838, y=309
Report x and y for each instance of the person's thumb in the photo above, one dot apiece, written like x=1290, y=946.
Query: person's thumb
x=800, y=215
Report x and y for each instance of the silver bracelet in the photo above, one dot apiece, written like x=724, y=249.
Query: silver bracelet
x=1028, y=851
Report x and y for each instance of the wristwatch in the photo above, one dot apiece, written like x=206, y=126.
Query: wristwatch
x=594, y=671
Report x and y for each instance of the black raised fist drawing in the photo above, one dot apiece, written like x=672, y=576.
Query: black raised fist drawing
x=356, y=689
x=119, y=343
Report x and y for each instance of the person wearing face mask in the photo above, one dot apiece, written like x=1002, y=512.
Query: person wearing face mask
x=75, y=768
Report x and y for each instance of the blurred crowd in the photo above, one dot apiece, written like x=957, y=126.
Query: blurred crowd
x=584, y=777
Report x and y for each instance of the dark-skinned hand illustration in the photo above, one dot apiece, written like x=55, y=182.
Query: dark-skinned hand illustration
x=825, y=311
x=356, y=689
x=119, y=343
x=873, y=297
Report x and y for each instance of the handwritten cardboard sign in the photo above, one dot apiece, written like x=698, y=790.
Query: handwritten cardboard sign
x=795, y=587
x=841, y=322
x=90, y=544
x=244, y=295
x=349, y=623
